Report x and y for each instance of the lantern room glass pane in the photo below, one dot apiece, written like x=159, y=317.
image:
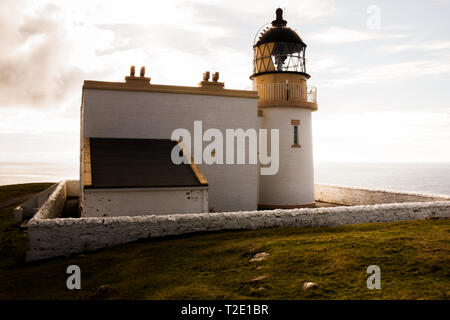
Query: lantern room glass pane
x=283, y=56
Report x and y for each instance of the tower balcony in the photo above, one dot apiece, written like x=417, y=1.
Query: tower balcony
x=286, y=95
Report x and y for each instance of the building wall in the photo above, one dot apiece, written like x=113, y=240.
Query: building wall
x=294, y=183
x=144, y=201
x=154, y=115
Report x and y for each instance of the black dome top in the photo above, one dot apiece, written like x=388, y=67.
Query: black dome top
x=279, y=32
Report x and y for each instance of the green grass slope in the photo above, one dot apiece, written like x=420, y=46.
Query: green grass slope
x=413, y=257
x=12, y=239
x=16, y=190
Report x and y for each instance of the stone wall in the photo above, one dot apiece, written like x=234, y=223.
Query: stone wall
x=72, y=188
x=48, y=203
x=61, y=237
x=358, y=196
x=54, y=204
x=27, y=209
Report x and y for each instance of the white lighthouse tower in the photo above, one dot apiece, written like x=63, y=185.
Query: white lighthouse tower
x=286, y=103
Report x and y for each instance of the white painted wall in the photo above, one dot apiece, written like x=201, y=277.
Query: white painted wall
x=53, y=206
x=72, y=188
x=51, y=237
x=144, y=201
x=352, y=196
x=61, y=237
x=27, y=209
x=153, y=115
x=294, y=183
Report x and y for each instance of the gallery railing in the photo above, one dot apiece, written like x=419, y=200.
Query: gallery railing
x=285, y=94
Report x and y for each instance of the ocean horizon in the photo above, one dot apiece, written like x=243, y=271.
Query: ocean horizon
x=415, y=177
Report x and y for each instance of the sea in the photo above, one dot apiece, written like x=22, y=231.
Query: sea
x=25, y=172
x=415, y=177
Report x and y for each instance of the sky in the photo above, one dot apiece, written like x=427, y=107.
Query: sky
x=382, y=68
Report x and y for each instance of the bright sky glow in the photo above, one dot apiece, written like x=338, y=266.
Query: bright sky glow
x=383, y=93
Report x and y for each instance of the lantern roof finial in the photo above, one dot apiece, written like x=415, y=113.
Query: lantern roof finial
x=279, y=21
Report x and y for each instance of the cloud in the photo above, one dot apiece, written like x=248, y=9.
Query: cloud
x=47, y=51
x=441, y=2
x=49, y=47
x=372, y=136
x=324, y=64
x=392, y=71
x=339, y=35
x=33, y=52
x=420, y=46
x=342, y=35
x=314, y=9
x=34, y=135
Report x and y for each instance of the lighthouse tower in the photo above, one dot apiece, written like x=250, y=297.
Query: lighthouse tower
x=285, y=102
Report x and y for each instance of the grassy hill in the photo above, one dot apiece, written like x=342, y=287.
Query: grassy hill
x=13, y=191
x=414, y=258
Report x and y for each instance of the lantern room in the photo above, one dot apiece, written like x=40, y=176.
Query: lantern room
x=279, y=68
x=279, y=49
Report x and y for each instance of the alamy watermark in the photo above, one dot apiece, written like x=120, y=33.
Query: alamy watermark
x=74, y=280
x=373, y=21
x=235, y=147
x=374, y=280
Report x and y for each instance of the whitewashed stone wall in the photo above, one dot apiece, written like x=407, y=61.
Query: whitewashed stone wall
x=358, y=196
x=27, y=209
x=54, y=204
x=48, y=203
x=61, y=237
x=72, y=188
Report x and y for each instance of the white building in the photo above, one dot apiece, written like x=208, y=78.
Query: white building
x=126, y=129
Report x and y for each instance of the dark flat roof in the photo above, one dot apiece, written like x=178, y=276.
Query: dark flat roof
x=131, y=163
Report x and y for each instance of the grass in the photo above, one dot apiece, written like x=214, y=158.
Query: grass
x=15, y=190
x=12, y=239
x=413, y=257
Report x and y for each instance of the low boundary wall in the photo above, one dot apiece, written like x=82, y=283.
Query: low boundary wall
x=49, y=203
x=27, y=209
x=61, y=237
x=359, y=196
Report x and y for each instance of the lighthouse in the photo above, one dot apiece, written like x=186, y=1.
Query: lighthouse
x=286, y=103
